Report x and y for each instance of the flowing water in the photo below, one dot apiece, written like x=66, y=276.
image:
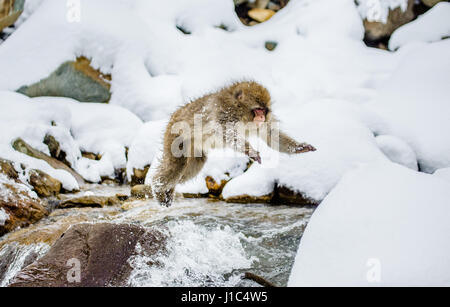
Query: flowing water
x=210, y=243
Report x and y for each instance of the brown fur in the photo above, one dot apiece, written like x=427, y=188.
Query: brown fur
x=227, y=107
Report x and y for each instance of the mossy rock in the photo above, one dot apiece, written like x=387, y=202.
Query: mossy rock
x=73, y=79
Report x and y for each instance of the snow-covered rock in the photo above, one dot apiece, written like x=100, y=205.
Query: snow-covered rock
x=432, y=26
x=383, y=225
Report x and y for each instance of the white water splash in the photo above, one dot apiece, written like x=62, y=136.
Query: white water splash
x=195, y=255
x=20, y=256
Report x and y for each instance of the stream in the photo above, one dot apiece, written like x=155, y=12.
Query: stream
x=211, y=243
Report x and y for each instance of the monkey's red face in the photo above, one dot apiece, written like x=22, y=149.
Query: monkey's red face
x=259, y=115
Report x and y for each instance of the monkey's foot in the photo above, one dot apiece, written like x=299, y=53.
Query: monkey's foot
x=302, y=148
x=165, y=198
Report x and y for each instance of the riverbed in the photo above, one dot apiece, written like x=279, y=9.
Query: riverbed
x=210, y=242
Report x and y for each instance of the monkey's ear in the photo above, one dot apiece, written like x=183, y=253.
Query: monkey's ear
x=239, y=95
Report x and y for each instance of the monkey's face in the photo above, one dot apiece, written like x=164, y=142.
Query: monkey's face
x=253, y=103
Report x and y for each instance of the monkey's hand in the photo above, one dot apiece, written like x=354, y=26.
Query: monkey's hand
x=253, y=155
x=304, y=147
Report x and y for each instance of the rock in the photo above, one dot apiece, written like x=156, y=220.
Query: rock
x=246, y=199
x=271, y=45
x=90, y=255
x=91, y=156
x=55, y=149
x=139, y=175
x=43, y=184
x=284, y=195
x=141, y=191
x=260, y=15
x=89, y=201
x=431, y=3
x=73, y=79
x=7, y=168
x=10, y=11
x=396, y=18
x=273, y=6
x=261, y=4
x=214, y=187
x=21, y=146
x=18, y=206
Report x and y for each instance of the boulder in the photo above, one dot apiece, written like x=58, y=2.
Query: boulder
x=141, y=191
x=21, y=146
x=73, y=79
x=90, y=255
x=378, y=30
x=18, y=206
x=89, y=201
x=44, y=185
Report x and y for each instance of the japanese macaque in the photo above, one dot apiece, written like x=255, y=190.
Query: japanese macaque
x=222, y=119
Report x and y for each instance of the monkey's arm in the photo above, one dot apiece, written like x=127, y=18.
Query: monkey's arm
x=280, y=141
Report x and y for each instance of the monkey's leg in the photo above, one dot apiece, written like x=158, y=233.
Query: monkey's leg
x=193, y=167
x=167, y=176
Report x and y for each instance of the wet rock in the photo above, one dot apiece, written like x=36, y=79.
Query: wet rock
x=246, y=199
x=215, y=188
x=99, y=251
x=397, y=18
x=139, y=175
x=141, y=191
x=18, y=207
x=21, y=146
x=284, y=195
x=260, y=15
x=89, y=201
x=44, y=185
x=10, y=10
x=73, y=79
x=7, y=168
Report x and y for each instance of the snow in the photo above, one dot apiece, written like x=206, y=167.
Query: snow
x=397, y=151
x=443, y=173
x=429, y=27
x=145, y=145
x=414, y=103
x=3, y=217
x=383, y=225
x=87, y=127
x=378, y=10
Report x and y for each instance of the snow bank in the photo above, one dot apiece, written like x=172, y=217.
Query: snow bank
x=382, y=225
x=78, y=127
x=397, y=151
x=429, y=27
x=443, y=173
x=414, y=103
